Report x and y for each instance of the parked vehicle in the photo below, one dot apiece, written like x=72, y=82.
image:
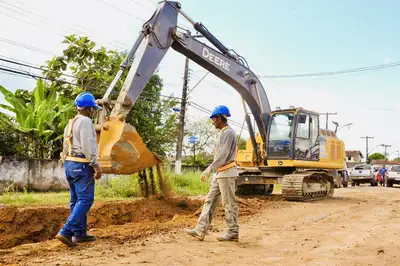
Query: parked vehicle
x=363, y=173
x=393, y=176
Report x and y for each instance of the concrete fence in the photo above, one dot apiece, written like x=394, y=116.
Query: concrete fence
x=34, y=175
x=46, y=175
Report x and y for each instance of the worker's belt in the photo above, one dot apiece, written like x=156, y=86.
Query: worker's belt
x=226, y=167
x=77, y=158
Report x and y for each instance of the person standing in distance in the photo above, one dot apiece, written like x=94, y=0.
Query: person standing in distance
x=81, y=169
x=223, y=181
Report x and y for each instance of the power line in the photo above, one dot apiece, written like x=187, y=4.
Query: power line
x=12, y=61
x=32, y=48
x=30, y=12
x=27, y=22
x=16, y=72
x=198, y=82
x=29, y=75
x=139, y=4
x=120, y=10
x=233, y=123
x=205, y=110
x=331, y=73
x=49, y=23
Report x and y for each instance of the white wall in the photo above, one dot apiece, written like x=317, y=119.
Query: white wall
x=35, y=175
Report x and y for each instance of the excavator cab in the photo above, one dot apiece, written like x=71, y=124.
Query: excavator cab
x=293, y=135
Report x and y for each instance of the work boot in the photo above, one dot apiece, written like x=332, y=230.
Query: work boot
x=194, y=233
x=66, y=240
x=85, y=238
x=227, y=237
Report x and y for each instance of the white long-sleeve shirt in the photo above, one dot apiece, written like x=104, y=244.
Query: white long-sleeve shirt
x=83, y=139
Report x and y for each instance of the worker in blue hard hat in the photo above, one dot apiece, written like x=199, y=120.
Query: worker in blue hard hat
x=81, y=169
x=223, y=172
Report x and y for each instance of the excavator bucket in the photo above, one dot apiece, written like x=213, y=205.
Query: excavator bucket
x=122, y=150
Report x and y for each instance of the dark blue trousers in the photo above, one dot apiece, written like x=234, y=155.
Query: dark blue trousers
x=80, y=177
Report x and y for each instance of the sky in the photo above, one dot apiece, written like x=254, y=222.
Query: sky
x=276, y=38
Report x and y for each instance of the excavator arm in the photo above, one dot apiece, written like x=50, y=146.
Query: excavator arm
x=121, y=148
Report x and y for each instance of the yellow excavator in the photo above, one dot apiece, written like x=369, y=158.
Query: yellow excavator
x=289, y=147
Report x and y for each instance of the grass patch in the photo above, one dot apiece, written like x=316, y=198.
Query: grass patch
x=43, y=198
x=119, y=188
x=188, y=184
x=122, y=187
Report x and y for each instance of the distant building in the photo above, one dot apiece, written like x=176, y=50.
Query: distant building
x=353, y=158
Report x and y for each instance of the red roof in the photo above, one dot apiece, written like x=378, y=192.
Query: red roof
x=385, y=162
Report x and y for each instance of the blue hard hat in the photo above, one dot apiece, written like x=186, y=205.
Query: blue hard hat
x=86, y=99
x=221, y=110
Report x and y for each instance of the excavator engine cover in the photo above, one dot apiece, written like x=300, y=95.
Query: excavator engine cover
x=122, y=150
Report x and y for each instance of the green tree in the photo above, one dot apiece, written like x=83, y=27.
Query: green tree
x=154, y=118
x=94, y=69
x=83, y=67
x=206, y=135
x=40, y=121
x=10, y=144
x=396, y=159
x=241, y=142
x=376, y=156
x=87, y=68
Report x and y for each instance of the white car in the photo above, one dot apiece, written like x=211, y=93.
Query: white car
x=393, y=175
x=363, y=173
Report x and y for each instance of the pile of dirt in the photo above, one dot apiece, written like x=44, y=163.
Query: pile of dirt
x=35, y=224
x=118, y=221
x=27, y=225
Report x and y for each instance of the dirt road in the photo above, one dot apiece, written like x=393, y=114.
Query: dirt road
x=359, y=226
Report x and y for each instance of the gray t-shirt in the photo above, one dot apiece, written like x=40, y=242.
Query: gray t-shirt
x=225, y=152
x=83, y=139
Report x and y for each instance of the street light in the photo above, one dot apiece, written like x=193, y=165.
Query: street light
x=339, y=128
x=349, y=124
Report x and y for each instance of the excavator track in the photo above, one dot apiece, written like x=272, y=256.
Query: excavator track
x=256, y=190
x=307, y=186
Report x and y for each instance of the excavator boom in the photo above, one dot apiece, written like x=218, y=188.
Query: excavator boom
x=120, y=147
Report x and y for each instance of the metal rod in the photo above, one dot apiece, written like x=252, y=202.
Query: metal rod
x=113, y=83
x=125, y=64
x=186, y=17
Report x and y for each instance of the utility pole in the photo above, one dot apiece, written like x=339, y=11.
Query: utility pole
x=366, y=146
x=386, y=146
x=327, y=117
x=181, y=134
